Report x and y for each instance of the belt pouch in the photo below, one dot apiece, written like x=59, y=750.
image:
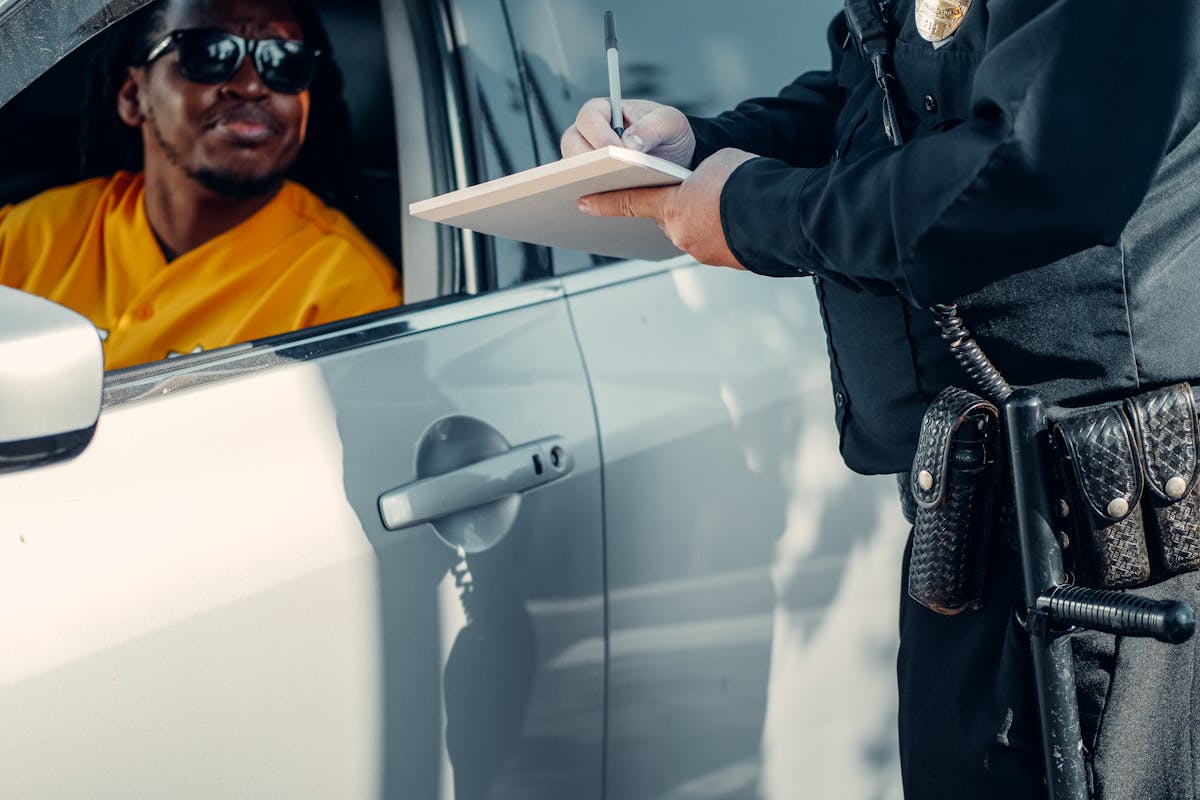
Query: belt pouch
x=952, y=482
x=1105, y=475
x=1164, y=424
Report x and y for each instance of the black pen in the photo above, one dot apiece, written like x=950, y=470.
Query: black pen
x=614, y=73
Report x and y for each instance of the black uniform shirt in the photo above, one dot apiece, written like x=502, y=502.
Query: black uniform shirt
x=1049, y=183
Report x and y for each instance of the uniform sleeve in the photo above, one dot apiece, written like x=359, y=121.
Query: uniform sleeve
x=1074, y=104
x=796, y=127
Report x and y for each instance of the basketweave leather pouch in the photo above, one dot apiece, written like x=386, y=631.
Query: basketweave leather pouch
x=1164, y=425
x=1101, y=465
x=952, y=481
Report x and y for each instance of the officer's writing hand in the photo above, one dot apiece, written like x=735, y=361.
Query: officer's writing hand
x=690, y=213
x=650, y=127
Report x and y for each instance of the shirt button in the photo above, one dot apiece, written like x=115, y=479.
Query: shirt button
x=839, y=399
x=144, y=313
x=930, y=103
x=816, y=280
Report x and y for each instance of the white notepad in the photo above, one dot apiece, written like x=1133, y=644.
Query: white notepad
x=539, y=204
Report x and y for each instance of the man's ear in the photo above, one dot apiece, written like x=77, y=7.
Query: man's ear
x=129, y=106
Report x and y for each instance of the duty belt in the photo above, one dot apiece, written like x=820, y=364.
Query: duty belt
x=1123, y=487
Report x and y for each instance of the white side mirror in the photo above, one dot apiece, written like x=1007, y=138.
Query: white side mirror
x=51, y=381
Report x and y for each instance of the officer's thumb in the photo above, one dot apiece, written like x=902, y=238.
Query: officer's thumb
x=633, y=140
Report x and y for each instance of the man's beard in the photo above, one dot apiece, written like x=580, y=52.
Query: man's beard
x=225, y=184
x=236, y=186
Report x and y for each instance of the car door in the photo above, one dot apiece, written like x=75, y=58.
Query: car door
x=354, y=561
x=752, y=579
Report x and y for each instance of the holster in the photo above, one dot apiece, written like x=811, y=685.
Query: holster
x=1131, y=471
x=1164, y=423
x=952, y=484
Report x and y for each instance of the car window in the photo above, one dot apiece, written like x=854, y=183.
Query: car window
x=702, y=56
x=45, y=137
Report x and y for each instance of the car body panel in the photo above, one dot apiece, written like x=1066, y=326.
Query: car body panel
x=210, y=586
x=733, y=539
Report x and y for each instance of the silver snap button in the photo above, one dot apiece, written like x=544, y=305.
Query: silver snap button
x=1176, y=487
x=1118, y=507
x=925, y=480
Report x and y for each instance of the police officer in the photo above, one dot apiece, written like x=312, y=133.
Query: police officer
x=1037, y=162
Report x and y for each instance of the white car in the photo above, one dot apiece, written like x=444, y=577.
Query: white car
x=559, y=527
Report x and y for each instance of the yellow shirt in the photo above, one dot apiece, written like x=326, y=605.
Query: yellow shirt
x=294, y=263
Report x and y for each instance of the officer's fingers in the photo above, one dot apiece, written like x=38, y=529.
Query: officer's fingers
x=649, y=203
x=634, y=109
x=593, y=125
x=656, y=124
x=573, y=143
x=665, y=132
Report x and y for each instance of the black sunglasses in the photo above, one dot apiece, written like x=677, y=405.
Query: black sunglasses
x=211, y=55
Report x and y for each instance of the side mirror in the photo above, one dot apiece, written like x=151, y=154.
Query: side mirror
x=51, y=381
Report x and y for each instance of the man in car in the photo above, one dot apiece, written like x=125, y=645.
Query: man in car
x=208, y=242
x=1037, y=163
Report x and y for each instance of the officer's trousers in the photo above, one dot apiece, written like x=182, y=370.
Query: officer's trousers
x=968, y=708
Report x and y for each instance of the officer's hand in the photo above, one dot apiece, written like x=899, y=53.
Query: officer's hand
x=690, y=213
x=652, y=128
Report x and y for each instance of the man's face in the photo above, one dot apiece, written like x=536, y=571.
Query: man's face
x=238, y=137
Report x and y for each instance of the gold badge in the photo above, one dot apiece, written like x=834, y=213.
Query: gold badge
x=937, y=20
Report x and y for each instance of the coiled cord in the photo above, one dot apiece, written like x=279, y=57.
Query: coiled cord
x=979, y=367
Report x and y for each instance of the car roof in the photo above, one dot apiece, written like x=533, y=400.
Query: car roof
x=36, y=34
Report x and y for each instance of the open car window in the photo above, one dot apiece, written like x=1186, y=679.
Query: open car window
x=46, y=55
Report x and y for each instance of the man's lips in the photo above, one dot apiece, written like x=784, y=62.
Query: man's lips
x=246, y=125
x=246, y=131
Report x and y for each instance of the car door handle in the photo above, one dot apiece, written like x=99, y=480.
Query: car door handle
x=518, y=470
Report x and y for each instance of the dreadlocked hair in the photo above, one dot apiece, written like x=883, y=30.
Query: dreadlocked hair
x=327, y=163
x=106, y=144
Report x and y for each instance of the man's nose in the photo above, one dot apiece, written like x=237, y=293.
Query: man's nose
x=246, y=83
